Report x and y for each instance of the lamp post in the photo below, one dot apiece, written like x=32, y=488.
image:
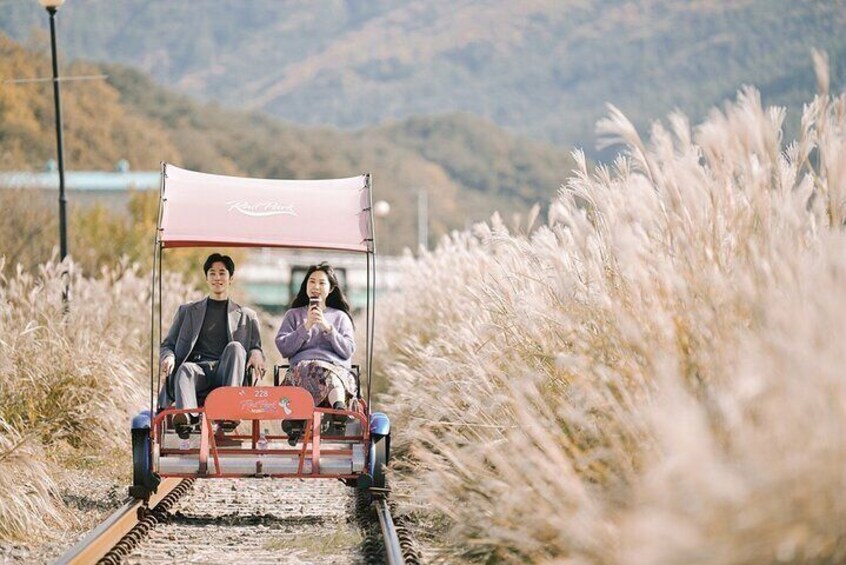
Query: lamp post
x=52, y=7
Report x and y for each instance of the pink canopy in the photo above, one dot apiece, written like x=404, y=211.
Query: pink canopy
x=203, y=210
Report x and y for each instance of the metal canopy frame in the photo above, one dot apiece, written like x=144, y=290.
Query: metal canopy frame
x=369, y=249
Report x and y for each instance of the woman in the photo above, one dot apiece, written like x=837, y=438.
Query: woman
x=316, y=336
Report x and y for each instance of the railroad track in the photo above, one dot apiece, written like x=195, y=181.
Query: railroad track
x=126, y=520
x=239, y=513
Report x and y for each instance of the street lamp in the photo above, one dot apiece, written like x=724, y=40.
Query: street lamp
x=52, y=7
x=381, y=208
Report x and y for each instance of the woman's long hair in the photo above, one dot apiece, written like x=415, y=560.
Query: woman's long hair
x=336, y=298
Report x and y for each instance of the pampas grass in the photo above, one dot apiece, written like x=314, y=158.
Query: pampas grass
x=69, y=379
x=29, y=493
x=655, y=375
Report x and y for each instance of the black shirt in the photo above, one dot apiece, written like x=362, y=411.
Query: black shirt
x=214, y=335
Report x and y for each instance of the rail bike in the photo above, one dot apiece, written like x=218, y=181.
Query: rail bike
x=206, y=210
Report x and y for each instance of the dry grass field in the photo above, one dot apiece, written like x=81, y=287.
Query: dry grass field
x=653, y=375
x=68, y=383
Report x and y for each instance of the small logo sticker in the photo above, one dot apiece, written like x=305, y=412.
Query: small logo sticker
x=285, y=404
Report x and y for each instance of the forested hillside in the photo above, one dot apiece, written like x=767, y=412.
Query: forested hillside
x=469, y=166
x=545, y=67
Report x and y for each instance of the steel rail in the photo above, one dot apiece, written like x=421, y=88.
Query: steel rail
x=393, y=549
x=102, y=538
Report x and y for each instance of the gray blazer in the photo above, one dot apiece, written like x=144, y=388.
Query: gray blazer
x=183, y=334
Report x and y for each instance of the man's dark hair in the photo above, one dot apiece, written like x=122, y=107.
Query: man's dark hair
x=217, y=257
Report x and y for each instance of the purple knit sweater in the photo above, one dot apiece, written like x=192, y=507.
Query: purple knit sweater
x=296, y=343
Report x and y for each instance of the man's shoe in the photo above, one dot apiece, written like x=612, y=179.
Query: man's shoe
x=182, y=425
x=229, y=425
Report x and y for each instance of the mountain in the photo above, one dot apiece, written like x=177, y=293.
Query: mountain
x=543, y=68
x=468, y=166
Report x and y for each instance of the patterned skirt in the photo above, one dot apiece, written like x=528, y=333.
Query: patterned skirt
x=316, y=377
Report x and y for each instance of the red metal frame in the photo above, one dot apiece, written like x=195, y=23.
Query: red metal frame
x=178, y=188
x=260, y=404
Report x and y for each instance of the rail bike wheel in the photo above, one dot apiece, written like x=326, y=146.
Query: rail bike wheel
x=375, y=477
x=144, y=482
x=380, y=454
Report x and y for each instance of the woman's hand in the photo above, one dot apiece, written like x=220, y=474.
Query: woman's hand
x=311, y=317
x=321, y=321
x=315, y=318
x=327, y=327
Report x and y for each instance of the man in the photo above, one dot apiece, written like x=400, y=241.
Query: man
x=211, y=343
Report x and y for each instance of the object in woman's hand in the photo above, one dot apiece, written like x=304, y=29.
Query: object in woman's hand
x=313, y=302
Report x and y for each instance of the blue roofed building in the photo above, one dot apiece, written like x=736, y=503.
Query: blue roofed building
x=109, y=188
